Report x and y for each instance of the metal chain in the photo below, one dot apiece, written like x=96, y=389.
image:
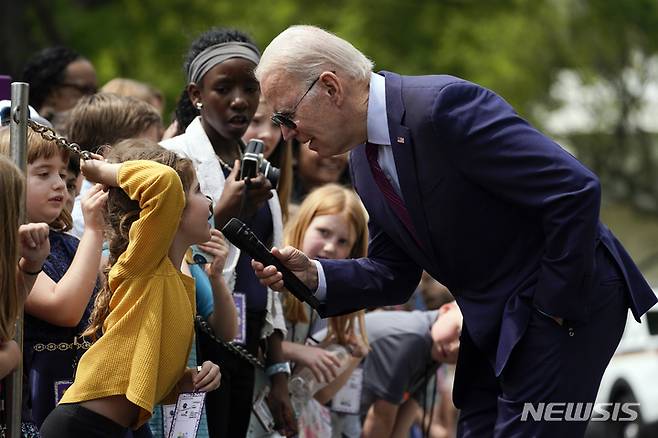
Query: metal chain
x=79, y=343
x=49, y=134
x=234, y=348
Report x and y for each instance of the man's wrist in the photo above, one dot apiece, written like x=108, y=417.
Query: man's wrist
x=313, y=276
x=320, y=290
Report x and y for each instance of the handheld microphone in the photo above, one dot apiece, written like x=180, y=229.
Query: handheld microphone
x=241, y=236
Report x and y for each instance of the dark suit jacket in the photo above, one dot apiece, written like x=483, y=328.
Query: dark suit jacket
x=507, y=219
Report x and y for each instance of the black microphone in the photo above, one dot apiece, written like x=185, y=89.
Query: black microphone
x=241, y=236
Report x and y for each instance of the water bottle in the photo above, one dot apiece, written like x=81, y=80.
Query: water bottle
x=304, y=385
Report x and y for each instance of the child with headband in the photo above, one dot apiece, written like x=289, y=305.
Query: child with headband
x=223, y=89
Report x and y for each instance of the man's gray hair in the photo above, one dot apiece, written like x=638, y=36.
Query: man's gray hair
x=305, y=52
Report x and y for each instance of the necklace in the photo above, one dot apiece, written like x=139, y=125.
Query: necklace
x=226, y=166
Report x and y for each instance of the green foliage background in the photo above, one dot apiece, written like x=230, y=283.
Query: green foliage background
x=510, y=46
x=517, y=48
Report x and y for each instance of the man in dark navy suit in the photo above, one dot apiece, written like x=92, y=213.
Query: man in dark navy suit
x=457, y=184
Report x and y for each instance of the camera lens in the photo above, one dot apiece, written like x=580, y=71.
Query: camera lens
x=271, y=173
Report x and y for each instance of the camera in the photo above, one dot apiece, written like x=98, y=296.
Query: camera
x=253, y=163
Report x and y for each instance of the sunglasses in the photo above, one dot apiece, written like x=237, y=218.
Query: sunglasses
x=285, y=118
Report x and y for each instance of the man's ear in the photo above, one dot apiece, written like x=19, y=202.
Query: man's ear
x=334, y=86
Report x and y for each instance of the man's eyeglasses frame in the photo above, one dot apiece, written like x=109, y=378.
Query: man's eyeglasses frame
x=285, y=118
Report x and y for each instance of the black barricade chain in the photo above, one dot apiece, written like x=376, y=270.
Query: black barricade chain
x=233, y=347
x=49, y=134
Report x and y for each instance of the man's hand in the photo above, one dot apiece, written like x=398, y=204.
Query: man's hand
x=293, y=259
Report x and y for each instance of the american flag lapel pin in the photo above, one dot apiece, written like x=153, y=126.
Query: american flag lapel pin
x=401, y=140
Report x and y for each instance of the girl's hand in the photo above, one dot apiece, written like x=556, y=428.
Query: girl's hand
x=359, y=348
x=258, y=191
x=322, y=363
x=207, y=378
x=218, y=248
x=278, y=400
x=93, y=208
x=34, y=245
x=100, y=171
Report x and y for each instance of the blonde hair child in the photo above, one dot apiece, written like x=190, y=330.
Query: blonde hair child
x=22, y=252
x=330, y=223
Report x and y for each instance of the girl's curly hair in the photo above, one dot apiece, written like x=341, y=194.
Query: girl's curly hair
x=123, y=211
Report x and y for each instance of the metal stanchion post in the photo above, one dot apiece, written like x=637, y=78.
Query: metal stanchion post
x=18, y=140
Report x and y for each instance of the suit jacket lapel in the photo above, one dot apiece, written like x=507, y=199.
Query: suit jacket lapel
x=405, y=162
x=377, y=205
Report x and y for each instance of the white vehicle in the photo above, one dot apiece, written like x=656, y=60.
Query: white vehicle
x=632, y=377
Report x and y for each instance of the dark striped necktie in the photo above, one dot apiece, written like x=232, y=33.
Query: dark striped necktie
x=385, y=186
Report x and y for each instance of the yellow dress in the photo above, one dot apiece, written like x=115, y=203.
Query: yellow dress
x=148, y=334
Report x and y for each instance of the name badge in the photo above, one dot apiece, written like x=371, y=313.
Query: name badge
x=60, y=388
x=240, y=300
x=168, y=412
x=348, y=399
x=185, y=416
x=262, y=411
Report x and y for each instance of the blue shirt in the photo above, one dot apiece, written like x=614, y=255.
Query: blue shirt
x=204, y=298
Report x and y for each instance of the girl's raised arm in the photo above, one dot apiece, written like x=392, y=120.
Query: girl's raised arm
x=159, y=191
x=63, y=303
